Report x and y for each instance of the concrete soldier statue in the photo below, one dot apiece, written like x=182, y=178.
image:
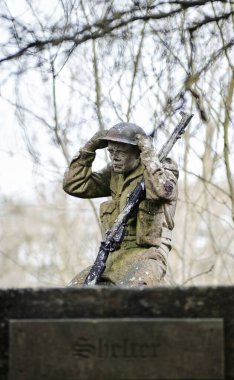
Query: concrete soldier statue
x=141, y=259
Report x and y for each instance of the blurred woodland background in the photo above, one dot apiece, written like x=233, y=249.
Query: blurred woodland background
x=72, y=67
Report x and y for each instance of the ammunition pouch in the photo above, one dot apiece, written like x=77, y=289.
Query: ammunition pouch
x=108, y=214
x=150, y=219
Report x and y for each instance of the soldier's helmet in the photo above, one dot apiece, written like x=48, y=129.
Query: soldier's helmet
x=124, y=133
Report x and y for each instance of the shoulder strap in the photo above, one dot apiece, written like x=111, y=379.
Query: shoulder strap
x=168, y=217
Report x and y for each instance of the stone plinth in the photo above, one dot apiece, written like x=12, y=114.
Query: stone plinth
x=166, y=312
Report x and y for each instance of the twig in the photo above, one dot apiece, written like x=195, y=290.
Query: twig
x=198, y=275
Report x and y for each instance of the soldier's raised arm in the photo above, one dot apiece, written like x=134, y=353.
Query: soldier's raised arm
x=160, y=177
x=79, y=180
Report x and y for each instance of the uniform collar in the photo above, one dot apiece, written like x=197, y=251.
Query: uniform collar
x=118, y=180
x=134, y=174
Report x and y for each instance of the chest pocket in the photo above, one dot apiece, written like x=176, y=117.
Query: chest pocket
x=149, y=223
x=108, y=214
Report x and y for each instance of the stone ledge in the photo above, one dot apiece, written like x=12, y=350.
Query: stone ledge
x=103, y=302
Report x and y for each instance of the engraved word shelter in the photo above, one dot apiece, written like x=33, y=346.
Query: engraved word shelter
x=124, y=348
x=116, y=349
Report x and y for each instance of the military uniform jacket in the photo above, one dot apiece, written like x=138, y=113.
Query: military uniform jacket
x=152, y=222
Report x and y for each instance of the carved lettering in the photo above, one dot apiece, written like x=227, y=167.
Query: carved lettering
x=120, y=349
x=125, y=348
x=83, y=349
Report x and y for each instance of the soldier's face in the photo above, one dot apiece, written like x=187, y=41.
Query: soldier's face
x=124, y=157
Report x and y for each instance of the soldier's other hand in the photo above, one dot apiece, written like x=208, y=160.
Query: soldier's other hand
x=144, y=142
x=95, y=143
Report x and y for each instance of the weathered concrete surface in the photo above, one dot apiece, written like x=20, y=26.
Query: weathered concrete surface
x=102, y=302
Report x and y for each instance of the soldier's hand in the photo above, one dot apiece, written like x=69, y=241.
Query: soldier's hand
x=95, y=143
x=149, y=157
x=144, y=142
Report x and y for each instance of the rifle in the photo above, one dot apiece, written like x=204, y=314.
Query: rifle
x=115, y=235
